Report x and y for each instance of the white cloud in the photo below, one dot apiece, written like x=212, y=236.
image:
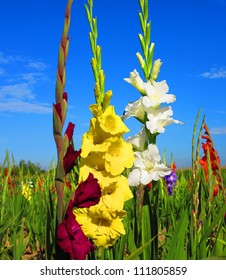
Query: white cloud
x=214, y=73
x=38, y=65
x=6, y=59
x=18, y=91
x=25, y=107
x=218, y=130
x=33, y=77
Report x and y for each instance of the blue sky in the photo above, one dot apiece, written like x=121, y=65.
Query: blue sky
x=189, y=38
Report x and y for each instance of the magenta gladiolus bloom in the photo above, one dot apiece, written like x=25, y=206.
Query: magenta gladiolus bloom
x=70, y=130
x=69, y=160
x=88, y=193
x=70, y=236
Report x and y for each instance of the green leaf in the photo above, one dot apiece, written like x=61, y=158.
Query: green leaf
x=177, y=242
x=140, y=250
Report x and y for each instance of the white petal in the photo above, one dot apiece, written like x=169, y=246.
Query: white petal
x=146, y=177
x=153, y=150
x=168, y=98
x=138, y=141
x=134, y=177
x=147, y=102
x=134, y=109
x=139, y=161
x=136, y=81
x=162, y=170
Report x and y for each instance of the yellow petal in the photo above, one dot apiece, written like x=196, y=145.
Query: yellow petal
x=112, y=123
x=119, y=156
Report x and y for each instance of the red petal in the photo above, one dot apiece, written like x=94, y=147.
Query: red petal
x=69, y=160
x=58, y=109
x=88, y=193
x=70, y=130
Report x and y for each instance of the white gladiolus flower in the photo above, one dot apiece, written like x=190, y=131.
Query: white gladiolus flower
x=135, y=109
x=147, y=167
x=156, y=93
x=158, y=118
x=135, y=80
x=138, y=141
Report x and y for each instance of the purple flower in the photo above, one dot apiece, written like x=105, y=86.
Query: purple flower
x=171, y=181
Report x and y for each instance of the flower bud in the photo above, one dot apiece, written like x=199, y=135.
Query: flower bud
x=156, y=69
x=107, y=99
x=141, y=60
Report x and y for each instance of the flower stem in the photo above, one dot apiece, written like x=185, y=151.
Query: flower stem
x=96, y=61
x=60, y=110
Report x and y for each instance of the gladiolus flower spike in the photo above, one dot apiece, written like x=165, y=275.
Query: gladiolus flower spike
x=208, y=148
x=106, y=155
x=66, y=155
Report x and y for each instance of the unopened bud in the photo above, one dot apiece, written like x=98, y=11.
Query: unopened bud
x=107, y=99
x=141, y=60
x=156, y=69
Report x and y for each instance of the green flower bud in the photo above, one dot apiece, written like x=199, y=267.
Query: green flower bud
x=141, y=60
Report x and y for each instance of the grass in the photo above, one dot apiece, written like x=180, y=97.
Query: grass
x=190, y=223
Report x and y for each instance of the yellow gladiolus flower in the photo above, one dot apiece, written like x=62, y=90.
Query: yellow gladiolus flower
x=119, y=156
x=102, y=176
x=112, y=123
x=104, y=226
x=105, y=154
x=26, y=191
x=115, y=194
x=90, y=143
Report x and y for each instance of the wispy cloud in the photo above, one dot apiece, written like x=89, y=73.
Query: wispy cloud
x=33, y=77
x=214, y=73
x=218, y=130
x=18, y=84
x=38, y=65
x=19, y=91
x=25, y=107
x=7, y=58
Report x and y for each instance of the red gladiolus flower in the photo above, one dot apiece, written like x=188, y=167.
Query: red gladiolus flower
x=6, y=171
x=173, y=167
x=88, y=193
x=215, y=190
x=70, y=236
x=149, y=185
x=70, y=157
x=70, y=130
x=208, y=147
